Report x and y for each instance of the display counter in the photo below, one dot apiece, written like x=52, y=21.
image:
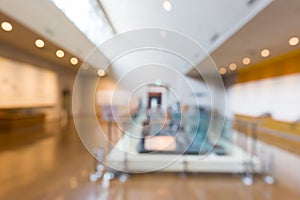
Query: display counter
x=130, y=154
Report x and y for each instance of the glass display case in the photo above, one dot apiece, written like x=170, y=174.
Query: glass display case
x=188, y=130
x=187, y=140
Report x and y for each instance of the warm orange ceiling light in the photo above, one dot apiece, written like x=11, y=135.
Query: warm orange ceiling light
x=60, y=53
x=6, y=26
x=265, y=53
x=246, y=61
x=39, y=43
x=294, y=41
x=101, y=72
x=74, y=61
x=222, y=70
x=232, y=66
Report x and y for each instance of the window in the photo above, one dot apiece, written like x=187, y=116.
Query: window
x=88, y=17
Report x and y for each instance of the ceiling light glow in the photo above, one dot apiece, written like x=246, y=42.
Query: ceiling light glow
x=232, y=66
x=39, y=43
x=167, y=6
x=74, y=61
x=6, y=26
x=246, y=61
x=222, y=70
x=294, y=41
x=60, y=53
x=265, y=53
x=101, y=72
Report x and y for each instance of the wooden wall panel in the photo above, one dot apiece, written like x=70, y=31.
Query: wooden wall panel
x=281, y=134
x=281, y=65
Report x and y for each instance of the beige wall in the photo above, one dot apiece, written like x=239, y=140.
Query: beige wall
x=109, y=93
x=24, y=85
x=279, y=96
x=27, y=81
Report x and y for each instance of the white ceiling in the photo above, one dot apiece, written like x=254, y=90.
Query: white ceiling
x=270, y=29
x=201, y=20
x=207, y=22
x=44, y=18
x=198, y=19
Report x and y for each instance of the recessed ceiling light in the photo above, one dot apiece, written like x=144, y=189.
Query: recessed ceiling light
x=232, y=66
x=246, y=61
x=222, y=70
x=294, y=41
x=6, y=26
x=74, y=61
x=101, y=72
x=265, y=53
x=60, y=53
x=39, y=43
x=167, y=6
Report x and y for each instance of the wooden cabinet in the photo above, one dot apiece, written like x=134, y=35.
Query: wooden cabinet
x=13, y=121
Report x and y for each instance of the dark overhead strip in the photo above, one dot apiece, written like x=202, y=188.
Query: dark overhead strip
x=214, y=37
x=250, y=2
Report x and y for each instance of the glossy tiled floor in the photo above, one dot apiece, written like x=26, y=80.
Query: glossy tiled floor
x=54, y=165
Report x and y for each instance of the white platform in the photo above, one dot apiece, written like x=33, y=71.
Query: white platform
x=124, y=156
